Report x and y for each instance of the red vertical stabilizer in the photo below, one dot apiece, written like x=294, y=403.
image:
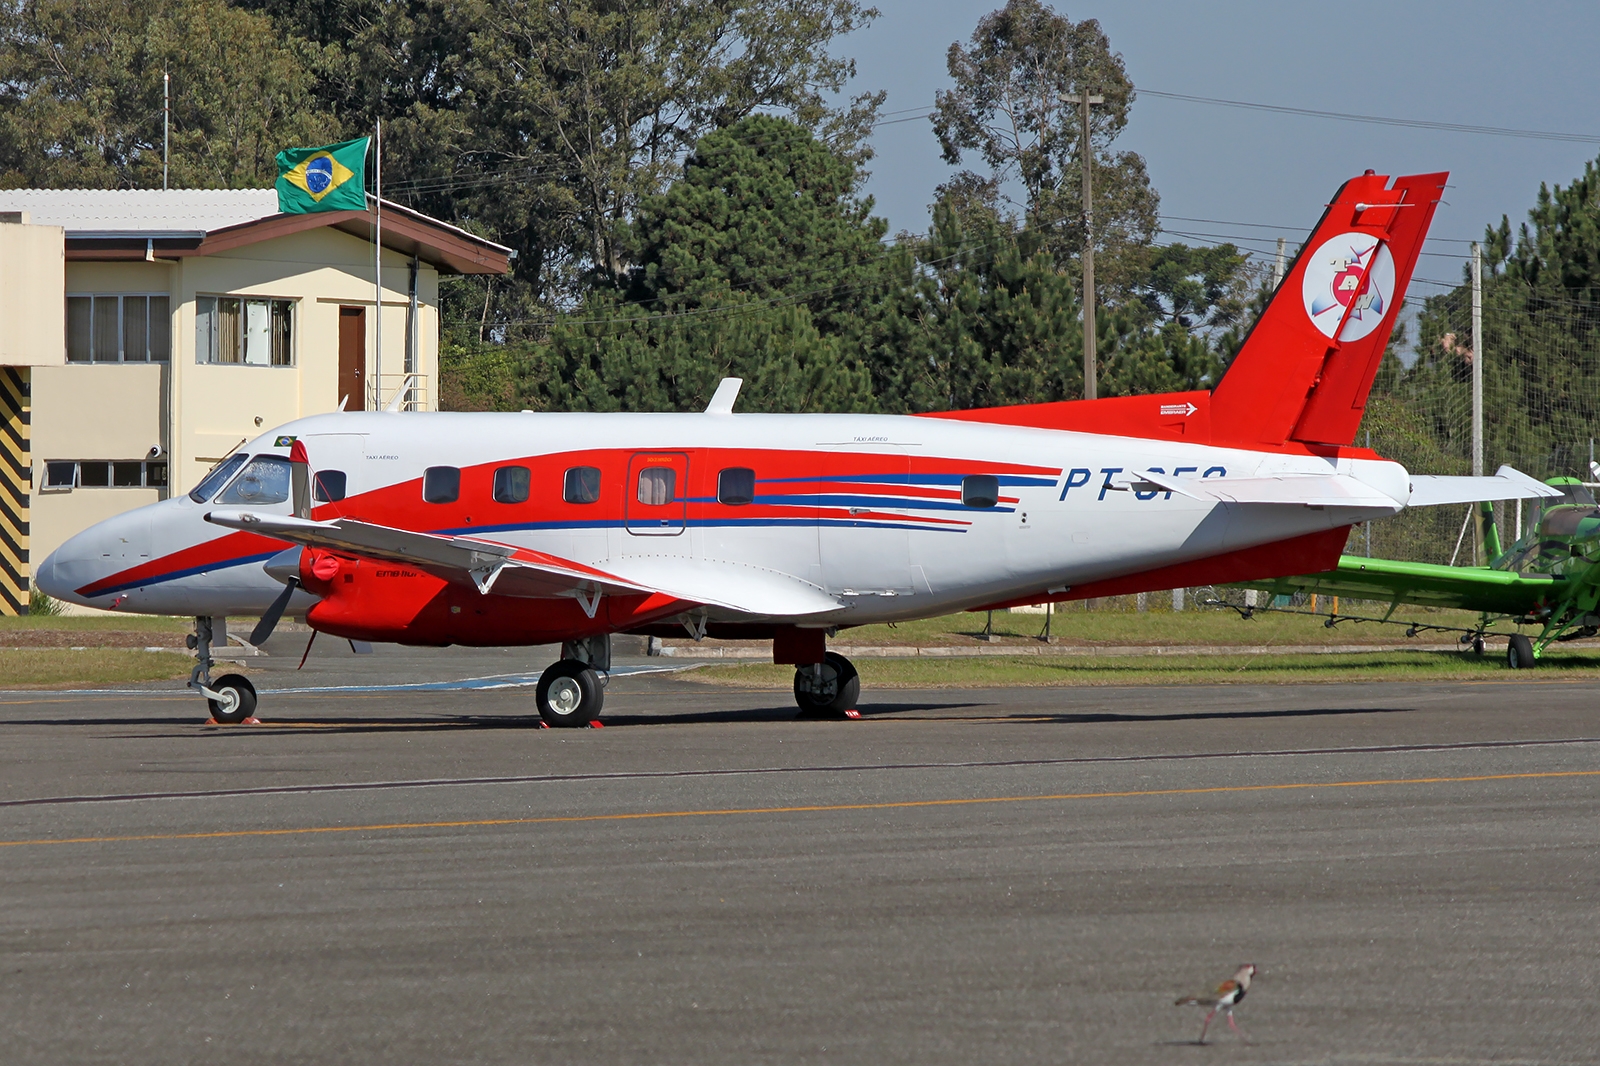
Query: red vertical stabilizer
x=1305, y=370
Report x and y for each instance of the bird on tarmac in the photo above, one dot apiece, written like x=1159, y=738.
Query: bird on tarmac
x=1224, y=999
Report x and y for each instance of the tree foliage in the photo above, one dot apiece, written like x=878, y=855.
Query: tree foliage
x=81, y=94
x=1007, y=107
x=548, y=124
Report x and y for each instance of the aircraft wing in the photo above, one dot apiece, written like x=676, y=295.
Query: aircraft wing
x=1471, y=588
x=510, y=571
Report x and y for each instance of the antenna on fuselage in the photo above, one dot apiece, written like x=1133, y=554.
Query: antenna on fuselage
x=722, y=400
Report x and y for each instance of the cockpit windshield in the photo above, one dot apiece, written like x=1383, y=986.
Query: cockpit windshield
x=264, y=481
x=218, y=477
x=1577, y=494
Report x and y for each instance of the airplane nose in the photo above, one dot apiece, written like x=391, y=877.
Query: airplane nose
x=46, y=579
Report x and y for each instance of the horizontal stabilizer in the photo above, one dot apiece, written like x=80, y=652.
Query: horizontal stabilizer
x=509, y=571
x=1429, y=490
x=1303, y=490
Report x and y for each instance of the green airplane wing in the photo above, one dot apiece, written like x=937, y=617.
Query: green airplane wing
x=1472, y=588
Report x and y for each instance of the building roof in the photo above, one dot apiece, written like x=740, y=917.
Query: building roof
x=105, y=224
x=145, y=212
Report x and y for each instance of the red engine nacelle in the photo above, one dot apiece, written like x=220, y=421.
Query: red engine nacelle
x=362, y=599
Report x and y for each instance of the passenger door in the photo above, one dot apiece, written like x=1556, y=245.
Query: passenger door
x=657, y=492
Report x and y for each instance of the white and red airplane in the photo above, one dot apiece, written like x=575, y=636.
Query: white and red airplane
x=521, y=529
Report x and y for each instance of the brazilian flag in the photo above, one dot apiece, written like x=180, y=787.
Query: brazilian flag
x=330, y=178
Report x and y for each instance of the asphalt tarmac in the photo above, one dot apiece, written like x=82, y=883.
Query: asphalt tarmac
x=1028, y=875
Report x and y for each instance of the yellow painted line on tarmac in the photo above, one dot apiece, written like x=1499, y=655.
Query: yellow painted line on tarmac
x=632, y=816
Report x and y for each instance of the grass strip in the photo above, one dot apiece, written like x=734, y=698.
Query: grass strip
x=61, y=668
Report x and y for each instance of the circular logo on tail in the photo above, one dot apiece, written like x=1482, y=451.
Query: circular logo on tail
x=1352, y=274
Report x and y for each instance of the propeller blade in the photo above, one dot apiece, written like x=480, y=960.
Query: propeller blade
x=269, y=621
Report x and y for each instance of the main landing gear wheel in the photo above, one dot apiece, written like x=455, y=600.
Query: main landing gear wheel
x=1519, y=652
x=238, y=702
x=570, y=694
x=829, y=687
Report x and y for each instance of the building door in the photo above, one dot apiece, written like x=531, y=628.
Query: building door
x=658, y=491
x=353, y=358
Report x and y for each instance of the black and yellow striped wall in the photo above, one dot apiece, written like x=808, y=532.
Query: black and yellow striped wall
x=16, y=483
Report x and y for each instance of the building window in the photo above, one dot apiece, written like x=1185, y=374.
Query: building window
x=243, y=331
x=64, y=475
x=119, y=329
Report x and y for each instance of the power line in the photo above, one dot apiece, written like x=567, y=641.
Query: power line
x=1381, y=120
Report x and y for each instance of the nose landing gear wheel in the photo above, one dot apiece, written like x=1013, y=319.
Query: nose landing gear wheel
x=1519, y=652
x=831, y=687
x=238, y=702
x=570, y=694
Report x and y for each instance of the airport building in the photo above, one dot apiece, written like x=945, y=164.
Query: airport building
x=144, y=334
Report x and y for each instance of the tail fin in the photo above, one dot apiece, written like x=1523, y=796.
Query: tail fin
x=1306, y=368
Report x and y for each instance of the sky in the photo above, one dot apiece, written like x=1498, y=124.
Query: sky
x=1261, y=175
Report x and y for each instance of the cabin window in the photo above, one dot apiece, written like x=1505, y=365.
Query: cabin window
x=217, y=478
x=736, y=486
x=980, y=490
x=264, y=481
x=657, y=486
x=441, y=484
x=581, y=485
x=511, y=484
x=329, y=486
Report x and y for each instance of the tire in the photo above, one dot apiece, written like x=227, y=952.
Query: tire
x=570, y=694
x=838, y=693
x=1519, y=653
x=238, y=699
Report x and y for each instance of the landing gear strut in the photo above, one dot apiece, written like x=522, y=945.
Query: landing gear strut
x=573, y=691
x=829, y=687
x=232, y=697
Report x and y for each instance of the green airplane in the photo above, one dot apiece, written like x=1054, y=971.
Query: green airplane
x=1549, y=578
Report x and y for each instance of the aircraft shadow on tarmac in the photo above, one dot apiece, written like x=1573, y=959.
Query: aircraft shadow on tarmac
x=289, y=724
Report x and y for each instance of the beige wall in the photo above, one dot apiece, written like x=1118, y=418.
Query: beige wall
x=32, y=266
x=320, y=270
x=90, y=412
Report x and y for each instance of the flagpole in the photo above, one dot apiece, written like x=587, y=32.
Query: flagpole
x=377, y=269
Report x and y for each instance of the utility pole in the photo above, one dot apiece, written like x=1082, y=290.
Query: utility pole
x=1477, y=359
x=377, y=266
x=1086, y=160
x=166, y=125
x=1477, y=388
x=1277, y=267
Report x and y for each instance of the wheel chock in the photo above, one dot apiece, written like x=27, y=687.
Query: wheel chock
x=597, y=724
x=543, y=724
x=247, y=721
x=852, y=713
